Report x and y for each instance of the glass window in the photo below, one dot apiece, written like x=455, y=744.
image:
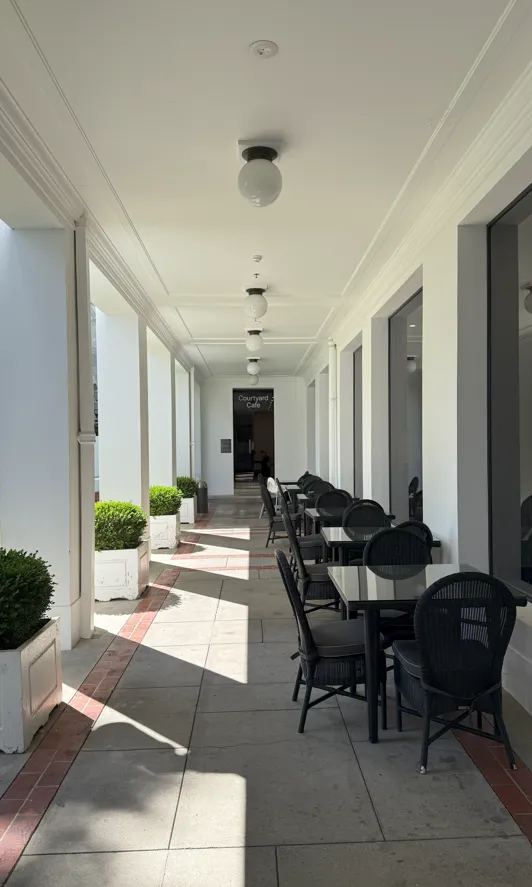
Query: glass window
x=405, y=392
x=510, y=388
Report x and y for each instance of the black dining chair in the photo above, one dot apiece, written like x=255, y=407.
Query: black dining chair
x=314, y=489
x=331, y=506
x=416, y=506
x=331, y=655
x=276, y=520
x=463, y=624
x=359, y=516
x=311, y=546
x=308, y=481
x=396, y=553
x=420, y=529
x=313, y=581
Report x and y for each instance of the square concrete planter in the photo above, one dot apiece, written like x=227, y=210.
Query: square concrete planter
x=188, y=511
x=165, y=531
x=30, y=687
x=121, y=574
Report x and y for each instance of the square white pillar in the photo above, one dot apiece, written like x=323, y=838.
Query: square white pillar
x=182, y=394
x=123, y=409
x=311, y=429
x=41, y=376
x=322, y=425
x=161, y=410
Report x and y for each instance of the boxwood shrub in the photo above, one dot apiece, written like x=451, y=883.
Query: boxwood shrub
x=164, y=500
x=118, y=525
x=188, y=486
x=26, y=590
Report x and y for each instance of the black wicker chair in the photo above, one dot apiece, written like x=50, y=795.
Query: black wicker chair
x=308, y=481
x=311, y=546
x=276, y=520
x=314, y=489
x=331, y=506
x=313, y=581
x=358, y=516
x=331, y=656
x=463, y=625
x=420, y=529
x=413, y=486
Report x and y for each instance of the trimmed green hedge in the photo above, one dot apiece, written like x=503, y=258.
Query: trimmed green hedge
x=26, y=590
x=118, y=525
x=164, y=500
x=187, y=485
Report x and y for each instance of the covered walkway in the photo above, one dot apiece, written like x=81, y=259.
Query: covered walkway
x=175, y=760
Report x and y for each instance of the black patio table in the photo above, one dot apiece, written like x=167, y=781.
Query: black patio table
x=338, y=539
x=387, y=588
x=292, y=490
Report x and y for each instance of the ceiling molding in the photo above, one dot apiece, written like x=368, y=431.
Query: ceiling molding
x=25, y=150
x=504, y=139
x=241, y=340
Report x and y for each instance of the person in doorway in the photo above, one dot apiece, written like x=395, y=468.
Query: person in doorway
x=265, y=465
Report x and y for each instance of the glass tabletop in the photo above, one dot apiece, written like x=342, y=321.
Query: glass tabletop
x=338, y=536
x=383, y=586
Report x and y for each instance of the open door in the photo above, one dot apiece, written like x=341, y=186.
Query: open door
x=253, y=433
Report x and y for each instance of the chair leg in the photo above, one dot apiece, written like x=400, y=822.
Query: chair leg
x=398, y=712
x=479, y=720
x=501, y=728
x=308, y=691
x=384, y=706
x=295, y=694
x=426, y=736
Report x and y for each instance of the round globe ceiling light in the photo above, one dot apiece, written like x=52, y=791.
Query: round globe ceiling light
x=260, y=180
x=253, y=367
x=254, y=341
x=528, y=297
x=256, y=304
x=411, y=365
x=254, y=380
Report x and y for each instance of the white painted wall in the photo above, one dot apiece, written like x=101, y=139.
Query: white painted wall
x=217, y=423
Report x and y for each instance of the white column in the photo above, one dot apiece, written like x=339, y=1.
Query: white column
x=41, y=375
x=182, y=395
x=311, y=429
x=123, y=409
x=333, y=414
x=322, y=425
x=192, y=408
x=161, y=393
x=455, y=461
x=197, y=431
x=375, y=447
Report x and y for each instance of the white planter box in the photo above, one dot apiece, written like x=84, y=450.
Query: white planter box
x=121, y=574
x=165, y=531
x=30, y=687
x=188, y=511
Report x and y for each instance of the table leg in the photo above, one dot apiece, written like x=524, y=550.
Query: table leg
x=371, y=632
x=343, y=552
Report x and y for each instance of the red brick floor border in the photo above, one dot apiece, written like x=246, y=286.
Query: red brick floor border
x=26, y=800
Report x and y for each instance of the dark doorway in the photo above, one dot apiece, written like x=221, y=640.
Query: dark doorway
x=253, y=433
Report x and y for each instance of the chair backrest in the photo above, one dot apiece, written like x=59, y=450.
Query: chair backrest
x=463, y=624
x=272, y=487
x=419, y=528
x=260, y=478
x=310, y=478
x=526, y=516
x=416, y=505
x=317, y=487
x=267, y=500
x=395, y=546
x=294, y=544
x=413, y=486
x=307, y=646
x=363, y=515
x=370, y=502
x=303, y=478
x=332, y=503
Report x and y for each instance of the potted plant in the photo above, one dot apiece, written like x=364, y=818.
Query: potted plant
x=164, y=517
x=122, y=557
x=188, y=488
x=30, y=654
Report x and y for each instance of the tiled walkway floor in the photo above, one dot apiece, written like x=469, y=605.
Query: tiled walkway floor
x=184, y=767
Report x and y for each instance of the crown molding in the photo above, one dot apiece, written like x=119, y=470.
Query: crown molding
x=24, y=149
x=498, y=145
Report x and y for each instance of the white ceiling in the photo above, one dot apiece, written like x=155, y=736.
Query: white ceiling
x=142, y=104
